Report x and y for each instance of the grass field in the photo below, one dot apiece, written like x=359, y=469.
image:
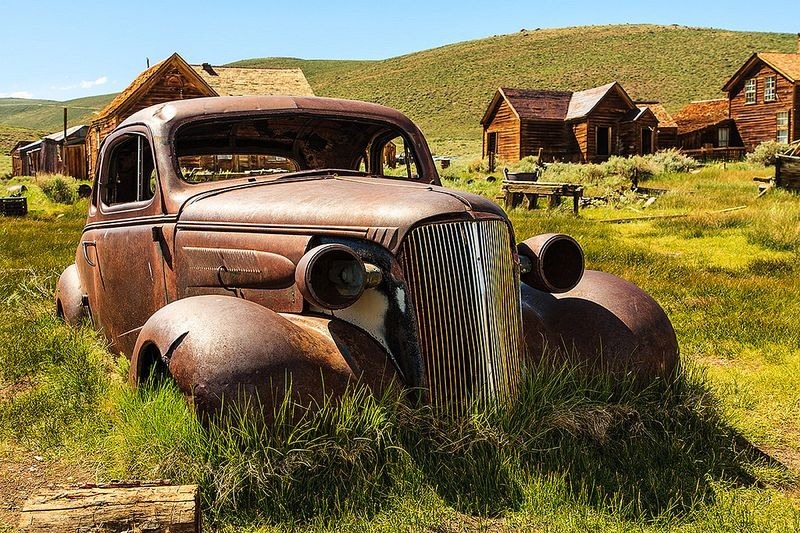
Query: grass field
x=718, y=450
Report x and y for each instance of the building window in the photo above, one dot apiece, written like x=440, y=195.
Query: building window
x=750, y=91
x=783, y=127
x=769, y=89
x=723, y=137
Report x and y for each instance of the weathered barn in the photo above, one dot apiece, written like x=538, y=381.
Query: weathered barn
x=583, y=126
x=52, y=155
x=706, y=124
x=16, y=158
x=175, y=79
x=764, y=98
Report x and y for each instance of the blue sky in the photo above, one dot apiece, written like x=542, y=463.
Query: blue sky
x=63, y=50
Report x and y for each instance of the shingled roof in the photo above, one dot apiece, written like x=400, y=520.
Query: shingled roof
x=534, y=104
x=237, y=81
x=701, y=114
x=787, y=65
x=665, y=120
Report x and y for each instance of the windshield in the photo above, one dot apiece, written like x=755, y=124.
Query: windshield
x=277, y=144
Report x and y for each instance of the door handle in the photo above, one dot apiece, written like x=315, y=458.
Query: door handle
x=86, y=245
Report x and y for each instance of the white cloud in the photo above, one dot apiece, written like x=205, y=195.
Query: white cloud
x=17, y=94
x=85, y=84
x=102, y=80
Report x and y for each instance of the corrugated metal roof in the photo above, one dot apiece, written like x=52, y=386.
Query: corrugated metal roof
x=582, y=102
x=59, y=136
x=237, y=81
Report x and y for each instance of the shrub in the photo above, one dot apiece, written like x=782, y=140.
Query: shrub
x=672, y=160
x=765, y=153
x=631, y=168
x=59, y=190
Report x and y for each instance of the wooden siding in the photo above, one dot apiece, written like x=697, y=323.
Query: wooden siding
x=580, y=132
x=757, y=122
x=667, y=138
x=607, y=113
x=505, y=123
x=549, y=135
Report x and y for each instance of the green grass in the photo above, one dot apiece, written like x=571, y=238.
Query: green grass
x=715, y=451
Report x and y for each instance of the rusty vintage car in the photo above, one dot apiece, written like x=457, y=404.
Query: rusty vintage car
x=240, y=244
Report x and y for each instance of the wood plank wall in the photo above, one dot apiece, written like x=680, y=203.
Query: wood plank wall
x=507, y=126
x=549, y=135
x=757, y=122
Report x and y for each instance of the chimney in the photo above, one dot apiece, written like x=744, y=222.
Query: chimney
x=798, y=43
x=208, y=68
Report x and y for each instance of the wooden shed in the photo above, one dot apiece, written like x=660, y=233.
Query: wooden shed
x=583, y=126
x=175, y=79
x=667, y=134
x=16, y=158
x=52, y=155
x=705, y=124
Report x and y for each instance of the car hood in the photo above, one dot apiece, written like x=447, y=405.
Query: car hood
x=379, y=209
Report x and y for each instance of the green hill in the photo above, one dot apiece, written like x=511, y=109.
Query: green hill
x=10, y=135
x=48, y=115
x=446, y=90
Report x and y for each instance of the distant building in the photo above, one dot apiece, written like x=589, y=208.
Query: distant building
x=175, y=79
x=52, y=155
x=706, y=124
x=583, y=126
x=764, y=98
x=16, y=158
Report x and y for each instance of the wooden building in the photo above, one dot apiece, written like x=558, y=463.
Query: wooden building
x=583, y=126
x=706, y=124
x=53, y=155
x=667, y=135
x=16, y=158
x=175, y=79
x=764, y=98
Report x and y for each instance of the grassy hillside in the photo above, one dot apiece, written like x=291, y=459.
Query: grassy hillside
x=9, y=135
x=446, y=89
x=48, y=115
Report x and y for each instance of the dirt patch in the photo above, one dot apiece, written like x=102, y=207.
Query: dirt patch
x=23, y=472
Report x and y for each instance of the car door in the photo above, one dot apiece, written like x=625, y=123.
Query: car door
x=120, y=250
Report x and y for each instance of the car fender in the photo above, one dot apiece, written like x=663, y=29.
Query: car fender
x=222, y=348
x=69, y=297
x=605, y=322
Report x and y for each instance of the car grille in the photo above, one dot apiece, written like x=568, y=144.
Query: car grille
x=465, y=290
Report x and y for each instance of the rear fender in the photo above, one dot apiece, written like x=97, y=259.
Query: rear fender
x=219, y=347
x=605, y=322
x=69, y=297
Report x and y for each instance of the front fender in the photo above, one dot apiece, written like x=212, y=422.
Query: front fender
x=605, y=322
x=221, y=347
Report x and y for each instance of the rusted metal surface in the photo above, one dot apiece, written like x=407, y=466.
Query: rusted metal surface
x=605, y=322
x=221, y=284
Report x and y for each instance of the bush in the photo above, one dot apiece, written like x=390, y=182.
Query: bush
x=672, y=160
x=630, y=168
x=59, y=191
x=765, y=153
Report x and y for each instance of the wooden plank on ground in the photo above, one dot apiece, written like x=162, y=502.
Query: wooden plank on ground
x=115, y=507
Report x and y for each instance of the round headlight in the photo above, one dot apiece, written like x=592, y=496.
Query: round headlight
x=331, y=276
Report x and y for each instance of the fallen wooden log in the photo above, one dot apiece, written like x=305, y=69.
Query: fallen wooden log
x=658, y=217
x=114, y=507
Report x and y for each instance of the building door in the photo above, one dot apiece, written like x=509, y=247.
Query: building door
x=603, y=140
x=647, y=141
x=491, y=148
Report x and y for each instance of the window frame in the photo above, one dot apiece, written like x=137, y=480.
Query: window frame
x=104, y=169
x=750, y=97
x=727, y=131
x=770, y=93
x=785, y=129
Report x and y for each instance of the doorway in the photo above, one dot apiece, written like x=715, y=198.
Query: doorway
x=603, y=140
x=647, y=141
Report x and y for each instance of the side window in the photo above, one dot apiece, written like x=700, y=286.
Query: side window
x=129, y=172
x=397, y=159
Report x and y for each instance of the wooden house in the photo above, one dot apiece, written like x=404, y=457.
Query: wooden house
x=667, y=134
x=55, y=155
x=16, y=158
x=175, y=79
x=584, y=126
x=764, y=98
x=706, y=124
